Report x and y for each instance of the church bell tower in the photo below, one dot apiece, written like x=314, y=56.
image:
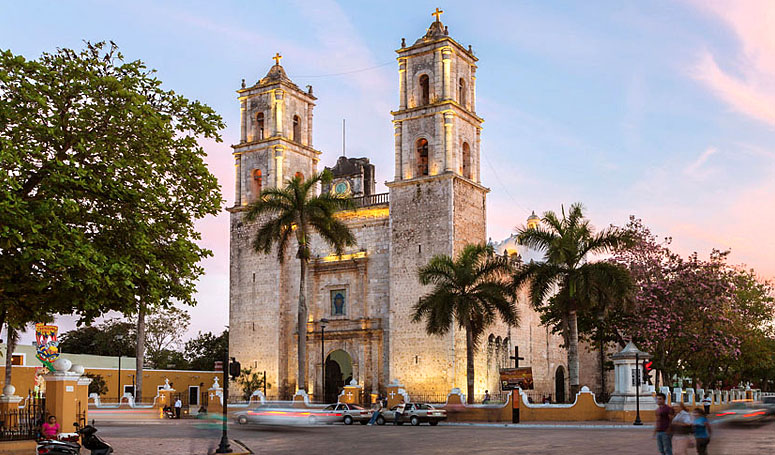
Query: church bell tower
x=437, y=203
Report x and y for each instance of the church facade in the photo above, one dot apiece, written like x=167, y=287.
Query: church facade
x=360, y=303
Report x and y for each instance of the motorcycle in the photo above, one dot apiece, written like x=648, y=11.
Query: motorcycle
x=93, y=442
x=67, y=445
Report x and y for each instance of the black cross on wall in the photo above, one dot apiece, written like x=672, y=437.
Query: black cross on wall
x=516, y=358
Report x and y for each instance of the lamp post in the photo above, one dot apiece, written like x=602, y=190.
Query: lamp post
x=224, y=446
x=119, y=338
x=637, y=390
x=323, y=356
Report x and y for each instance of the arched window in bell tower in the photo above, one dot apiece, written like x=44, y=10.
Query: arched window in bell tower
x=257, y=183
x=260, y=126
x=466, y=160
x=425, y=90
x=421, y=157
x=461, y=92
x=296, y=129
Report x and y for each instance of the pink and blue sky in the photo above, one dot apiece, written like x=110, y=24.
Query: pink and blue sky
x=662, y=109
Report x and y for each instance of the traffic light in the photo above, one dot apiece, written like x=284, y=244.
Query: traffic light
x=647, y=368
x=235, y=369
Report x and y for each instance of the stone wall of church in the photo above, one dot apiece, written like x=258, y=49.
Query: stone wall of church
x=254, y=305
x=421, y=227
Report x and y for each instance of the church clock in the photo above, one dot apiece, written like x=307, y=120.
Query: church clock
x=341, y=188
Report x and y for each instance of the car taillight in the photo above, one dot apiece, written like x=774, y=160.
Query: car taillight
x=42, y=450
x=753, y=414
x=722, y=414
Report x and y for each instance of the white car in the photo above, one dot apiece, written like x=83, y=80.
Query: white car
x=286, y=414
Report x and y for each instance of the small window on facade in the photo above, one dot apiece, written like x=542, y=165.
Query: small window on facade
x=296, y=129
x=339, y=302
x=299, y=175
x=425, y=90
x=17, y=359
x=461, y=92
x=257, y=183
x=422, y=157
x=466, y=160
x=260, y=126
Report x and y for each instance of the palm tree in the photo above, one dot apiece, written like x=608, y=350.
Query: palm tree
x=298, y=211
x=568, y=275
x=470, y=290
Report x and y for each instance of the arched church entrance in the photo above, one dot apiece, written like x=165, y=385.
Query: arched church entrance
x=559, y=385
x=339, y=371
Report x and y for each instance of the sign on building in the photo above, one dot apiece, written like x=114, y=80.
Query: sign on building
x=511, y=378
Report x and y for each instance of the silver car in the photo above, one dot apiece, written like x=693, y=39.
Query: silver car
x=350, y=413
x=415, y=414
x=286, y=414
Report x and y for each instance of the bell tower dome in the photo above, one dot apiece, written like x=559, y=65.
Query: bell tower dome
x=275, y=134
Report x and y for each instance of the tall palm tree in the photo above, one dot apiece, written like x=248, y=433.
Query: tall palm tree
x=563, y=284
x=471, y=290
x=296, y=210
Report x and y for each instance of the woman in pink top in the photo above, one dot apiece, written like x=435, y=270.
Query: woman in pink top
x=50, y=429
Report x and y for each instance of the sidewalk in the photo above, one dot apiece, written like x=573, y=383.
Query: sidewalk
x=592, y=425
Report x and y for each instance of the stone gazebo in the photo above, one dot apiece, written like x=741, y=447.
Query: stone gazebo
x=624, y=398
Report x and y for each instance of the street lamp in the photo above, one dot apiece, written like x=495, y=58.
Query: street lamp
x=119, y=338
x=323, y=323
x=229, y=369
x=637, y=391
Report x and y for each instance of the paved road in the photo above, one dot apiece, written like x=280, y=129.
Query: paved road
x=187, y=437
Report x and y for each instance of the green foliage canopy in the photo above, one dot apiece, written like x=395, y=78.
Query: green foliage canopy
x=101, y=180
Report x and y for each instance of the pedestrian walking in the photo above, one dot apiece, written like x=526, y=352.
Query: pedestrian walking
x=178, y=408
x=399, y=412
x=662, y=426
x=706, y=402
x=681, y=426
x=486, y=397
x=377, y=412
x=702, y=431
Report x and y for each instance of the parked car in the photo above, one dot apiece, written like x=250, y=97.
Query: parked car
x=351, y=413
x=415, y=414
x=286, y=414
x=744, y=412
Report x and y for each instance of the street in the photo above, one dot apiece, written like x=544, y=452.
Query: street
x=191, y=437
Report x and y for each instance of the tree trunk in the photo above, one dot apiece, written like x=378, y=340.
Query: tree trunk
x=469, y=364
x=573, y=354
x=12, y=338
x=301, y=376
x=140, y=354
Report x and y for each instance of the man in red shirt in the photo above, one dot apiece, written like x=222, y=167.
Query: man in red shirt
x=662, y=426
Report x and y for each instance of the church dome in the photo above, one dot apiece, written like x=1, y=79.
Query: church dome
x=276, y=73
x=533, y=221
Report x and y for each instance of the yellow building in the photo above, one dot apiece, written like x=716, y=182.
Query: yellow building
x=189, y=385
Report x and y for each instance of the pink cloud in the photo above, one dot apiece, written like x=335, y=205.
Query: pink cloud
x=750, y=89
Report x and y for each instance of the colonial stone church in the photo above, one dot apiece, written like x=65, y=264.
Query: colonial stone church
x=360, y=304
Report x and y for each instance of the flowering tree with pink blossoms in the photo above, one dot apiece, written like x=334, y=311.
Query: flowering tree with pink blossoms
x=687, y=312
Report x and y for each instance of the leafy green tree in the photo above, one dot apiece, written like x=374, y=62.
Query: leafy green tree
x=167, y=359
x=101, y=180
x=567, y=242
x=97, y=384
x=250, y=381
x=165, y=330
x=296, y=212
x=109, y=338
x=203, y=351
x=470, y=290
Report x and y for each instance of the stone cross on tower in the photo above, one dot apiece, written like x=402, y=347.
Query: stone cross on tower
x=277, y=57
x=437, y=13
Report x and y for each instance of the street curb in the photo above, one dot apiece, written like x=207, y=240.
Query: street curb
x=550, y=426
